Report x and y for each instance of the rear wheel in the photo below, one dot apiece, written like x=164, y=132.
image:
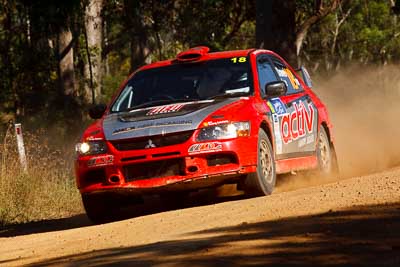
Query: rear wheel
x=326, y=154
x=262, y=182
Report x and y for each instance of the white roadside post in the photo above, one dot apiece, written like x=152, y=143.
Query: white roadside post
x=21, y=147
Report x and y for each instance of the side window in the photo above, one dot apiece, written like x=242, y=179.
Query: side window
x=265, y=71
x=286, y=75
x=124, y=100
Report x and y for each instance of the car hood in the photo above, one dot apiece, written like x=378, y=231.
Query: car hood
x=161, y=120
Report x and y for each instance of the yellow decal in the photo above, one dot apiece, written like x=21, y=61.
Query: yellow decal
x=292, y=78
x=239, y=59
x=271, y=107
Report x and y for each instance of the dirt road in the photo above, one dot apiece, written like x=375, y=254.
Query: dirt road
x=352, y=221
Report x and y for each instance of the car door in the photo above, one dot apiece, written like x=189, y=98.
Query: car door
x=294, y=117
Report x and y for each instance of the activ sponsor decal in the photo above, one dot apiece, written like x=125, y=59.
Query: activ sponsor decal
x=205, y=147
x=165, y=109
x=294, y=125
x=298, y=123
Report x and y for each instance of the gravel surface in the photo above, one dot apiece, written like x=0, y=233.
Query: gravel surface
x=349, y=221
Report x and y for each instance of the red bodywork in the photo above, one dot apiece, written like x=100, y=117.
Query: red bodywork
x=101, y=173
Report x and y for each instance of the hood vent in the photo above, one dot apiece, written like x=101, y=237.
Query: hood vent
x=192, y=54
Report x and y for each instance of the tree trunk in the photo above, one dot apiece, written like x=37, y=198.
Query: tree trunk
x=138, y=31
x=66, y=63
x=139, y=53
x=94, y=37
x=320, y=12
x=66, y=73
x=8, y=59
x=276, y=27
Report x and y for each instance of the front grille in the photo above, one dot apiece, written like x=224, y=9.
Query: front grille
x=221, y=159
x=155, y=169
x=133, y=158
x=152, y=141
x=167, y=154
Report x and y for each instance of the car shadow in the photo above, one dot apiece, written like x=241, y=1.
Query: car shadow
x=204, y=197
x=51, y=225
x=152, y=205
x=358, y=236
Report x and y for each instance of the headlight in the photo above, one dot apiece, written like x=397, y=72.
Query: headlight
x=91, y=148
x=224, y=131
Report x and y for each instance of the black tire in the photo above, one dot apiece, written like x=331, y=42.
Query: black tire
x=99, y=208
x=175, y=200
x=326, y=154
x=262, y=182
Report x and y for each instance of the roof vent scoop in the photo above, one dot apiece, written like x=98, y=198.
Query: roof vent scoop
x=192, y=54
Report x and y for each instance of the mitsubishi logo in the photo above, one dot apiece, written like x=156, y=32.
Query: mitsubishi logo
x=150, y=144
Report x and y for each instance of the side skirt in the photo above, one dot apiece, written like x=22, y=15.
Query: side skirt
x=296, y=164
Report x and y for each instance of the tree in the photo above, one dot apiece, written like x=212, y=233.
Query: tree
x=278, y=30
x=321, y=10
x=137, y=28
x=276, y=27
x=66, y=62
x=93, y=38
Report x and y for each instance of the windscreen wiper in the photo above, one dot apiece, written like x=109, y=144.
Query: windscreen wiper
x=227, y=95
x=186, y=100
x=162, y=101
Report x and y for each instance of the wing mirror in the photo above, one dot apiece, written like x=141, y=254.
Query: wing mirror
x=275, y=89
x=97, y=111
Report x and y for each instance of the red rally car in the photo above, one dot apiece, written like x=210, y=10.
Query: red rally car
x=202, y=120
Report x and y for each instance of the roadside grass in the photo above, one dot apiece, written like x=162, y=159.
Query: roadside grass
x=46, y=191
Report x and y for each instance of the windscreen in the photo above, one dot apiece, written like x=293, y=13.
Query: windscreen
x=185, y=82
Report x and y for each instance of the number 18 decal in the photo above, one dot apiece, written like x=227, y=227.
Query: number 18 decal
x=239, y=59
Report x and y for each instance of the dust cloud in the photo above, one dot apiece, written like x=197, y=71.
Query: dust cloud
x=363, y=103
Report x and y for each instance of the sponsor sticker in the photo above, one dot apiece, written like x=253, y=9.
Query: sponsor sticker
x=214, y=123
x=302, y=142
x=205, y=147
x=306, y=140
x=100, y=161
x=281, y=72
x=278, y=107
x=275, y=118
x=295, y=83
x=298, y=123
x=286, y=73
x=92, y=138
x=152, y=124
x=165, y=109
x=278, y=139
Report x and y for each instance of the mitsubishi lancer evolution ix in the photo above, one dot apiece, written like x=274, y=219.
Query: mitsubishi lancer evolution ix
x=202, y=120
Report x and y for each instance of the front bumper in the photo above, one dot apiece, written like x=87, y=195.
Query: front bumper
x=187, y=166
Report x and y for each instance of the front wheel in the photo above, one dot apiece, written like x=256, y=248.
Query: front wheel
x=99, y=208
x=262, y=182
x=176, y=200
